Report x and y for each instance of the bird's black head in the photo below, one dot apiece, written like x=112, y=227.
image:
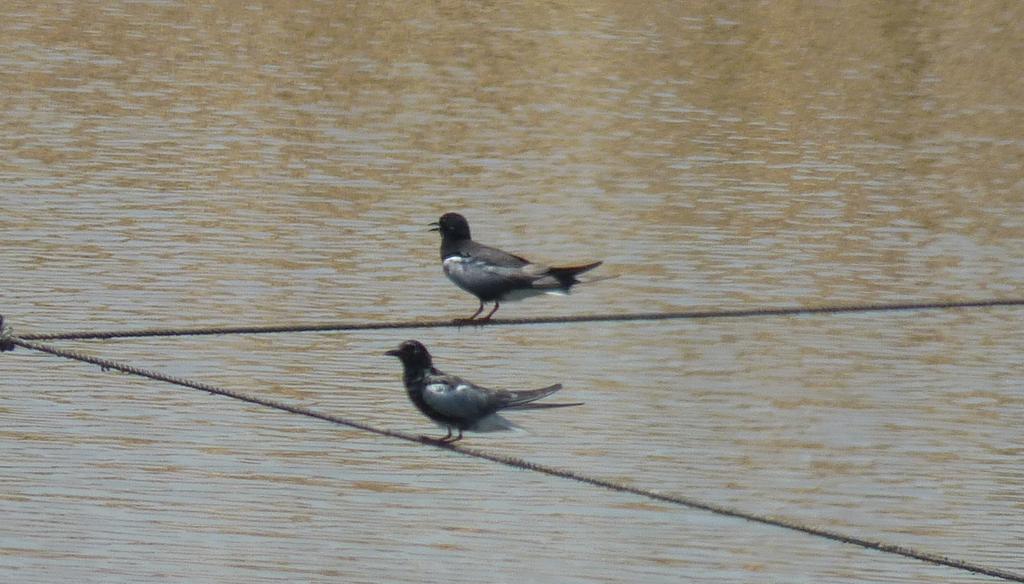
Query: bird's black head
x=413, y=354
x=453, y=227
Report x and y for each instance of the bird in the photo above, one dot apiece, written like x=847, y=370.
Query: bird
x=6, y=342
x=493, y=275
x=454, y=403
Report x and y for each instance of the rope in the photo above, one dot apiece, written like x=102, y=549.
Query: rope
x=640, y=316
x=519, y=463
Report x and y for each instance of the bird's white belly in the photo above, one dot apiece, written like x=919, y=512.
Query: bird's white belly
x=494, y=423
x=522, y=293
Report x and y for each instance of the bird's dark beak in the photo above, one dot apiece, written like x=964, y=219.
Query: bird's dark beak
x=393, y=352
x=435, y=226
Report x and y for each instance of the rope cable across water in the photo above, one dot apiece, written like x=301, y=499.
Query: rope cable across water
x=640, y=316
x=518, y=463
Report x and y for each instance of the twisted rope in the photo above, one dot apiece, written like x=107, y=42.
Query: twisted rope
x=519, y=463
x=640, y=316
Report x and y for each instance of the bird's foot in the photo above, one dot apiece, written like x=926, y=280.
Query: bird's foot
x=437, y=441
x=468, y=321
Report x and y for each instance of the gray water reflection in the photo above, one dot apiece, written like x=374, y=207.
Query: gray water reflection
x=171, y=164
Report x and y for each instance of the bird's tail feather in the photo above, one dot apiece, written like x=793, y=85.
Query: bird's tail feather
x=572, y=271
x=518, y=399
x=566, y=276
x=533, y=406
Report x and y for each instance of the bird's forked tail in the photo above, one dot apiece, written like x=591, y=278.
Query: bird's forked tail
x=523, y=400
x=566, y=276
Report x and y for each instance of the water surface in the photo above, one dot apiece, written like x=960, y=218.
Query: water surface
x=171, y=164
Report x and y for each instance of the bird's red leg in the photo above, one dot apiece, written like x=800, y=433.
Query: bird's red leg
x=444, y=440
x=462, y=321
x=493, y=310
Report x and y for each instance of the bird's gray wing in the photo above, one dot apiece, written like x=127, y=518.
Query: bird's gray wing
x=493, y=256
x=488, y=266
x=490, y=281
x=456, y=398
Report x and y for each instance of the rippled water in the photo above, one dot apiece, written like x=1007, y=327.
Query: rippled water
x=177, y=165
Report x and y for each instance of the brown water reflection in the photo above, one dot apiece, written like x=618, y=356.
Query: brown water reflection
x=184, y=163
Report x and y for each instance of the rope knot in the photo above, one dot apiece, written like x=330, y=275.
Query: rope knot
x=6, y=336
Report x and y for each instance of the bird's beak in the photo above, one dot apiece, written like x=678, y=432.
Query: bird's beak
x=392, y=352
x=435, y=226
